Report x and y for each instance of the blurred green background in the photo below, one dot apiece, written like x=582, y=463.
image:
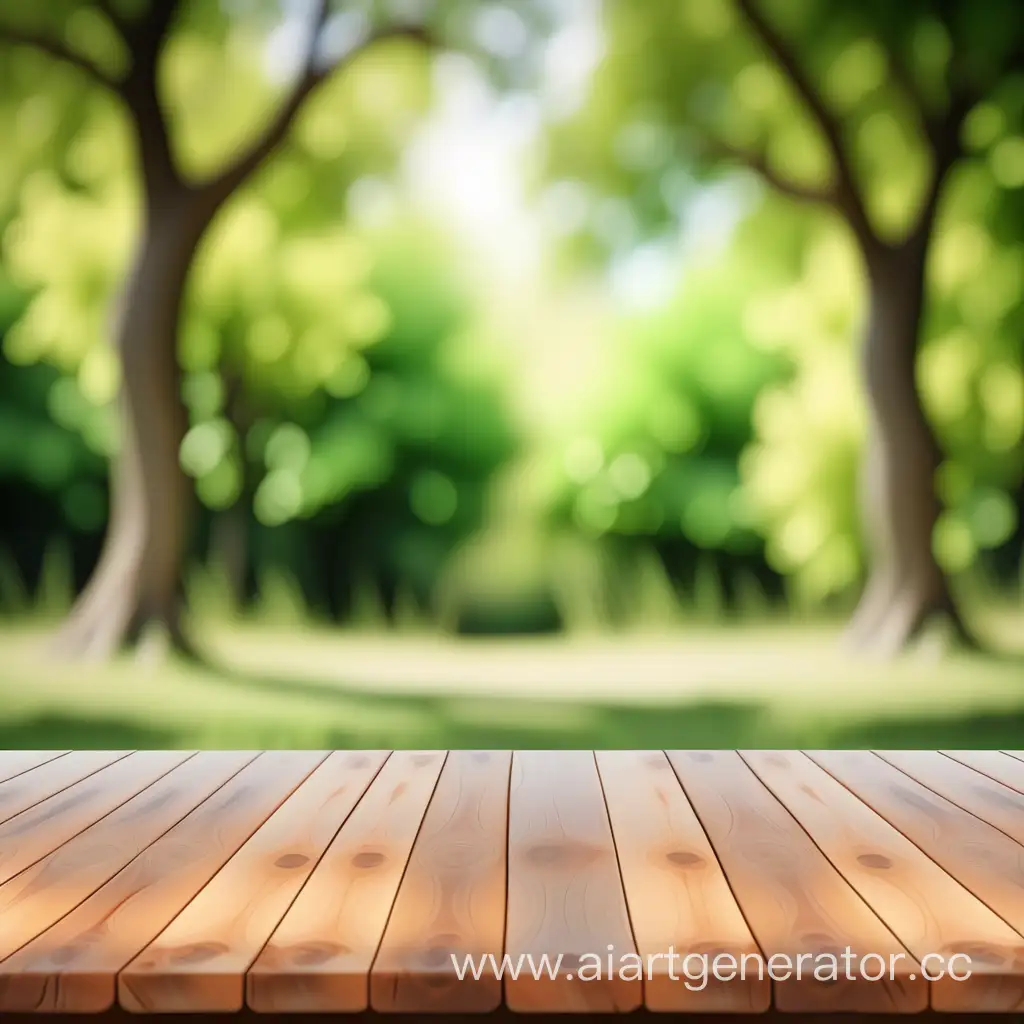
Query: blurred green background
x=519, y=388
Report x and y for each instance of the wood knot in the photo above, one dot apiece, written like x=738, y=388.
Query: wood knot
x=811, y=792
x=1011, y=801
x=545, y=854
x=978, y=953
x=561, y=853
x=913, y=798
x=439, y=951
x=64, y=955
x=422, y=760
x=311, y=954
x=684, y=858
x=291, y=860
x=874, y=860
x=700, y=757
x=198, y=953
x=368, y=859
x=357, y=761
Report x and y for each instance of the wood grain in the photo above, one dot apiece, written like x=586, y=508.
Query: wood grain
x=17, y=762
x=35, y=898
x=796, y=903
x=984, y=859
x=993, y=763
x=565, y=894
x=25, y=790
x=976, y=793
x=452, y=898
x=320, y=955
x=198, y=963
x=31, y=835
x=308, y=881
x=929, y=912
x=72, y=967
x=680, y=904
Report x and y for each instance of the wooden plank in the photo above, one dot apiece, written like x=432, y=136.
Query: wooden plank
x=975, y=793
x=680, y=904
x=452, y=899
x=198, y=962
x=993, y=763
x=320, y=955
x=17, y=762
x=27, y=789
x=981, y=857
x=34, y=833
x=933, y=915
x=35, y=898
x=565, y=894
x=799, y=908
x=72, y=967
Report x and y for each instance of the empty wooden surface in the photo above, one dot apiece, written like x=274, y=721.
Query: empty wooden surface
x=337, y=882
x=23, y=790
x=320, y=955
x=678, y=897
x=452, y=899
x=986, y=861
x=565, y=894
x=17, y=762
x=994, y=763
x=73, y=966
x=199, y=961
x=795, y=901
x=983, y=797
x=929, y=912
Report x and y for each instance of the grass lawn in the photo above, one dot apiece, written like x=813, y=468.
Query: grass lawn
x=726, y=687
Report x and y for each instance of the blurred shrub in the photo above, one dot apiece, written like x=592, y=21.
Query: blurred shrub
x=654, y=461
x=374, y=479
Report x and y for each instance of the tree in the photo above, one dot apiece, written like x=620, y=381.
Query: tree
x=137, y=580
x=793, y=91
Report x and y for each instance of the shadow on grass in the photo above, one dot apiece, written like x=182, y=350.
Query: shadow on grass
x=340, y=718
x=58, y=732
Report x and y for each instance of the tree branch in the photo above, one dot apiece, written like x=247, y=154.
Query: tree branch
x=946, y=150
x=222, y=185
x=145, y=39
x=60, y=52
x=111, y=14
x=758, y=163
x=904, y=78
x=847, y=195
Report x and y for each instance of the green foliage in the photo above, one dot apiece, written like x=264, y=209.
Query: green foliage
x=326, y=368
x=335, y=374
x=655, y=457
x=657, y=123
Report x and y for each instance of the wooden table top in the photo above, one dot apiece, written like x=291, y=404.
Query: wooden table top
x=340, y=881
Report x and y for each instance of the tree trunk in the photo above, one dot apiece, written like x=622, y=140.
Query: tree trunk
x=137, y=580
x=906, y=587
x=229, y=551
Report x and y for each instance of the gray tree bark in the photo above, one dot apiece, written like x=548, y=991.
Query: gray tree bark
x=138, y=577
x=906, y=587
